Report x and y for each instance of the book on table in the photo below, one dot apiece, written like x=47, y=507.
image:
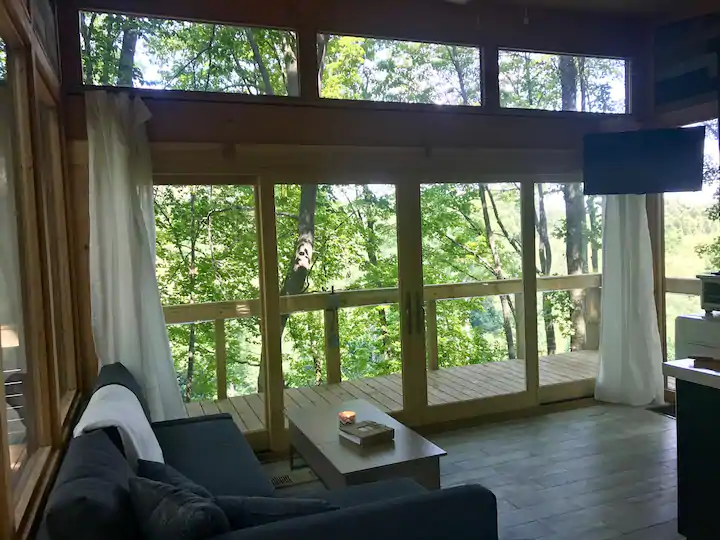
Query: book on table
x=367, y=433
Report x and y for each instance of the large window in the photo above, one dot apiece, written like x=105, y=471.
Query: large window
x=165, y=54
x=554, y=82
x=373, y=69
x=692, y=237
x=16, y=377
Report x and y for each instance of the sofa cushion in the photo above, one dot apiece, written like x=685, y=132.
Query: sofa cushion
x=118, y=374
x=212, y=452
x=168, y=512
x=162, y=472
x=243, y=512
x=90, y=498
x=373, y=492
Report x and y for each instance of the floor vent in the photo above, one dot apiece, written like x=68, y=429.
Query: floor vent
x=293, y=478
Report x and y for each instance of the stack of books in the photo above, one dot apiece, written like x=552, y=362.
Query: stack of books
x=367, y=433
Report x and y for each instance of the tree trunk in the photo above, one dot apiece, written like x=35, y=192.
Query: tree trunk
x=126, y=65
x=86, y=30
x=574, y=210
x=322, y=43
x=568, y=82
x=299, y=268
x=371, y=243
x=260, y=62
x=545, y=252
x=192, y=273
x=574, y=219
x=508, y=322
x=595, y=233
x=291, y=68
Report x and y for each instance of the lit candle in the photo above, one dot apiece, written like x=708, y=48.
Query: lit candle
x=346, y=417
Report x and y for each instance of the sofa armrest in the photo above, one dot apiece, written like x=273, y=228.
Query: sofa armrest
x=464, y=512
x=191, y=420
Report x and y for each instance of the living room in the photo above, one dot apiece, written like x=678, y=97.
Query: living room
x=287, y=250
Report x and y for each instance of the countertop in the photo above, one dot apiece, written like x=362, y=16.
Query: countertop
x=685, y=370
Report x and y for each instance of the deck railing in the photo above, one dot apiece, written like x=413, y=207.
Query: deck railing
x=689, y=286
x=331, y=302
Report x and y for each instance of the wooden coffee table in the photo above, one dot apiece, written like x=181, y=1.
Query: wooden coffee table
x=339, y=463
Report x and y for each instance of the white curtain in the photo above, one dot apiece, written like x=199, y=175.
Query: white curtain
x=128, y=322
x=630, y=348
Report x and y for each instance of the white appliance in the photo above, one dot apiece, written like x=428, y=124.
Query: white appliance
x=710, y=292
x=697, y=335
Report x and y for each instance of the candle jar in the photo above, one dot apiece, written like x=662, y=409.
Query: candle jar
x=346, y=417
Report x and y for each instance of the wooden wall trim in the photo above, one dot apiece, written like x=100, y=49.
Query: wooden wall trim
x=509, y=26
x=355, y=124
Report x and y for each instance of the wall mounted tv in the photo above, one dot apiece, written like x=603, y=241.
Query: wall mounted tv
x=645, y=161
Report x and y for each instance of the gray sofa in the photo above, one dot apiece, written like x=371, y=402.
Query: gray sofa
x=90, y=496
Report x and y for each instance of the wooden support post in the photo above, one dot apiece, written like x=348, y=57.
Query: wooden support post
x=656, y=225
x=520, y=324
x=220, y=358
x=490, y=78
x=529, y=269
x=432, y=335
x=332, y=346
x=592, y=319
x=410, y=281
x=270, y=320
x=308, y=62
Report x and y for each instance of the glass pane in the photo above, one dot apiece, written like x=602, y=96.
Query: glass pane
x=373, y=69
x=207, y=252
x=568, y=236
x=165, y=54
x=17, y=383
x=554, y=82
x=470, y=234
x=692, y=221
x=337, y=247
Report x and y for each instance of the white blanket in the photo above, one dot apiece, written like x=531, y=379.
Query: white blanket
x=116, y=406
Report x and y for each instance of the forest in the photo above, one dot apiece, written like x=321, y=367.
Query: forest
x=333, y=237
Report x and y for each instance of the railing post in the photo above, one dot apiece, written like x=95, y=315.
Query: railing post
x=332, y=346
x=520, y=324
x=220, y=359
x=592, y=319
x=431, y=334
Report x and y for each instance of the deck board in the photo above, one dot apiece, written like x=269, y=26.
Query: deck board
x=447, y=385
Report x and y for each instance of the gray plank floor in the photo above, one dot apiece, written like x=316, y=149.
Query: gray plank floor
x=598, y=473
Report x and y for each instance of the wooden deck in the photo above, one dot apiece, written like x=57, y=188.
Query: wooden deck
x=449, y=385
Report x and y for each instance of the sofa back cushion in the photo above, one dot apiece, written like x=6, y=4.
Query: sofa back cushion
x=90, y=499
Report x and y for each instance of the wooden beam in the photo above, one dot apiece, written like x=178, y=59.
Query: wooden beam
x=682, y=285
x=270, y=319
x=332, y=346
x=520, y=324
x=410, y=289
x=433, y=360
x=284, y=121
x=530, y=287
x=656, y=224
x=490, y=78
x=220, y=359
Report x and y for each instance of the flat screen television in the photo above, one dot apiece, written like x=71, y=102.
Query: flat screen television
x=645, y=161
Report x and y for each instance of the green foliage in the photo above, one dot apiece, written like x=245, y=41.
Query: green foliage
x=207, y=247
x=3, y=60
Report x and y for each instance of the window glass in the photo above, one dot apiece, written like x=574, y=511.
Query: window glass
x=13, y=359
x=373, y=69
x=554, y=82
x=165, y=54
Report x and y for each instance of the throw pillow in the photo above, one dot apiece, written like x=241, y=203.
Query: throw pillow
x=245, y=512
x=167, y=512
x=90, y=499
x=161, y=472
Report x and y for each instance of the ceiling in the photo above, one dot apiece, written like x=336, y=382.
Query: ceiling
x=620, y=6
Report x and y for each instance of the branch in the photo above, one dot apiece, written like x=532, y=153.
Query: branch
x=477, y=256
x=513, y=241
